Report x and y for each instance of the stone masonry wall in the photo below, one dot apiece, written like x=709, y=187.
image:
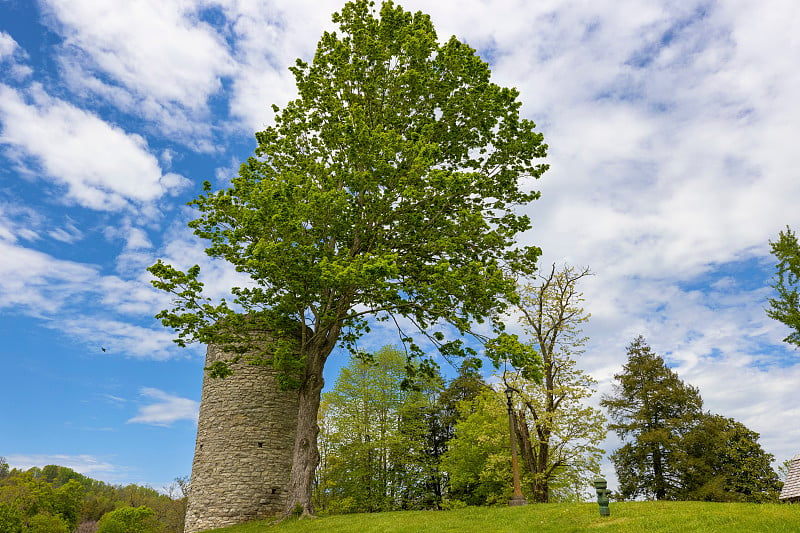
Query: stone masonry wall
x=243, y=453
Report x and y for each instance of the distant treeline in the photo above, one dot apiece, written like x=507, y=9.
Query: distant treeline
x=56, y=499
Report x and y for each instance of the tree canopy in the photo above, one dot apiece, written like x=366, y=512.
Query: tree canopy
x=375, y=440
x=55, y=498
x=651, y=409
x=673, y=449
x=387, y=189
x=725, y=462
x=786, y=307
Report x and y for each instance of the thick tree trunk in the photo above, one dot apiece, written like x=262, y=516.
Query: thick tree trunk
x=306, y=454
x=541, y=489
x=536, y=459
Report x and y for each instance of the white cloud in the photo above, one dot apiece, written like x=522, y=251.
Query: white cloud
x=88, y=465
x=224, y=175
x=269, y=37
x=116, y=400
x=19, y=222
x=120, y=338
x=39, y=284
x=7, y=45
x=76, y=299
x=156, y=61
x=134, y=238
x=158, y=51
x=101, y=166
x=166, y=410
x=68, y=233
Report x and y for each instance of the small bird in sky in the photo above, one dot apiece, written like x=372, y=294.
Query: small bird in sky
x=102, y=348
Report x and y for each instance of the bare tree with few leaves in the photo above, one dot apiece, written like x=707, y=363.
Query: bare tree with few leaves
x=556, y=430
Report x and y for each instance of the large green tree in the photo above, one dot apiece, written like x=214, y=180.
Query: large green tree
x=387, y=189
x=140, y=519
x=723, y=461
x=786, y=307
x=651, y=409
x=458, y=395
x=558, y=432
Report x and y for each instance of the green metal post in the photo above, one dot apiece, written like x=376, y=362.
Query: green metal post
x=602, y=496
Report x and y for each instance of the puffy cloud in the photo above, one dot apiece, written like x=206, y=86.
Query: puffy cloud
x=120, y=338
x=269, y=37
x=166, y=410
x=7, y=45
x=39, y=284
x=159, y=51
x=100, y=166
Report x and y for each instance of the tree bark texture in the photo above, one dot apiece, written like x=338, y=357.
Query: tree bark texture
x=306, y=453
x=536, y=458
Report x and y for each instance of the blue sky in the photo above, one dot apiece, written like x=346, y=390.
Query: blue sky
x=673, y=133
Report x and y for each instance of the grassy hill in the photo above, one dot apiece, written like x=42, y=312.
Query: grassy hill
x=631, y=517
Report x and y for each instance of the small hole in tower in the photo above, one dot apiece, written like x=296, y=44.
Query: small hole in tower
x=260, y=444
x=274, y=490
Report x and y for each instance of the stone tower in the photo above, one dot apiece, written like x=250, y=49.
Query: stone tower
x=243, y=453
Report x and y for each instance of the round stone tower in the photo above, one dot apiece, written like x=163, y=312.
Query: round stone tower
x=243, y=453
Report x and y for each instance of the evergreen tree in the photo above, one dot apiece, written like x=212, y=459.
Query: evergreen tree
x=651, y=409
x=442, y=418
x=458, y=395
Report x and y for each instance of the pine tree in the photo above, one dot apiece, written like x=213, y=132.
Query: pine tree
x=652, y=410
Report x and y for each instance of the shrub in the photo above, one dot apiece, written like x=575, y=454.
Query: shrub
x=10, y=519
x=46, y=523
x=129, y=520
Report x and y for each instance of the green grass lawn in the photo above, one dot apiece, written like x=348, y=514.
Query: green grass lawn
x=632, y=517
